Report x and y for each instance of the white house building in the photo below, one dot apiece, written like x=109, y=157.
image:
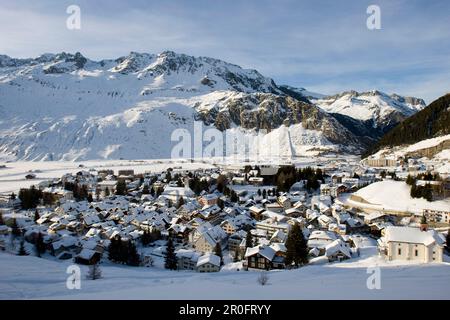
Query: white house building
x=406, y=243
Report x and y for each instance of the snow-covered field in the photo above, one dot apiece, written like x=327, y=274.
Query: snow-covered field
x=37, y=278
x=395, y=195
x=12, y=178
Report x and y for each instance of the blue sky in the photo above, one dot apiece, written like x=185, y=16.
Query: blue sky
x=324, y=46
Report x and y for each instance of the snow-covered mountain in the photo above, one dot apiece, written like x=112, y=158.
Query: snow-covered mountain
x=373, y=106
x=65, y=106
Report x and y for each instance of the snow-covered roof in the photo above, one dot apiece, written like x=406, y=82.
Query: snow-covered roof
x=86, y=254
x=337, y=246
x=186, y=253
x=265, y=251
x=412, y=235
x=209, y=258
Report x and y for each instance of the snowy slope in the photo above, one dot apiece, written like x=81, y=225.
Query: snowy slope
x=37, y=278
x=375, y=106
x=395, y=195
x=67, y=107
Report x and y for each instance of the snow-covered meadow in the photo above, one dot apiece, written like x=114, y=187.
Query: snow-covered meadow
x=30, y=277
x=12, y=177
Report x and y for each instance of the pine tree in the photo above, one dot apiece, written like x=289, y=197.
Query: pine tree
x=94, y=272
x=114, y=248
x=90, y=198
x=22, y=251
x=410, y=180
x=170, y=259
x=2, y=222
x=146, y=238
x=12, y=196
x=39, y=245
x=121, y=188
x=107, y=192
x=249, y=240
x=145, y=189
x=218, y=252
x=133, y=258
x=264, y=194
x=15, y=230
x=36, y=215
x=296, y=247
x=234, y=197
x=221, y=183
x=220, y=203
x=427, y=192
x=168, y=175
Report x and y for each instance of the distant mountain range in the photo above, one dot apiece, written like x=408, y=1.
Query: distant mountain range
x=65, y=106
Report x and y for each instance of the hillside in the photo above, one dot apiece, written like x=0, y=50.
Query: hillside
x=432, y=121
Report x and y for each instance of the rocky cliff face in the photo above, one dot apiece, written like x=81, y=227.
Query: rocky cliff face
x=268, y=111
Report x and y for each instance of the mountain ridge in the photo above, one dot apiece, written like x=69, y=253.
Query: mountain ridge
x=71, y=107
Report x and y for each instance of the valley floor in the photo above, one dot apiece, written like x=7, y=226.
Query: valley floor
x=30, y=277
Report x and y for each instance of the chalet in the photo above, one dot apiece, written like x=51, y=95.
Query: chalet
x=175, y=193
x=87, y=256
x=179, y=233
x=208, y=199
x=229, y=226
x=275, y=207
x=235, y=240
x=211, y=213
x=272, y=225
x=208, y=263
x=321, y=203
x=284, y=201
x=325, y=221
x=294, y=212
x=187, y=259
x=337, y=250
x=208, y=238
x=265, y=257
x=233, y=224
x=256, y=211
x=375, y=217
x=320, y=239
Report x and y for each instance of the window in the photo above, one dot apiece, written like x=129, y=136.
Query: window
x=416, y=252
x=399, y=251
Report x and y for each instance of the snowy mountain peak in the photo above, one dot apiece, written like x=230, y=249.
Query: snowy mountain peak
x=374, y=104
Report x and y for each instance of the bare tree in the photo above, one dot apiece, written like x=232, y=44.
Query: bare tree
x=94, y=272
x=263, y=278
